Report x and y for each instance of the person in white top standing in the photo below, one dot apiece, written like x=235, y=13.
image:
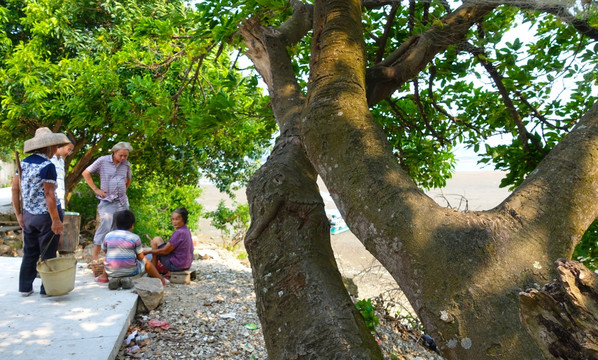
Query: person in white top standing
x=58, y=161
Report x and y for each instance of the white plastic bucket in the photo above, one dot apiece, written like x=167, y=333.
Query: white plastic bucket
x=58, y=275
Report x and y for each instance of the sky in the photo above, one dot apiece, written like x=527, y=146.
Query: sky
x=467, y=159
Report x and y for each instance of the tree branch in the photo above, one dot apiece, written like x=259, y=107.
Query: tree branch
x=376, y=4
x=426, y=14
x=561, y=12
x=524, y=135
x=267, y=47
x=414, y=54
x=561, y=185
x=399, y=112
x=537, y=114
x=441, y=110
x=186, y=80
x=74, y=176
x=298, y=25
x=411, y=17
x=423, y=115
x=387, y=30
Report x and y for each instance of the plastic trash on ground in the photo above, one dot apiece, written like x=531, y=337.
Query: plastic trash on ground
x=228, y=316
x=161, y=324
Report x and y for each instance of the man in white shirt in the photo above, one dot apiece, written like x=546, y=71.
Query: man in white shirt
x=58, y=161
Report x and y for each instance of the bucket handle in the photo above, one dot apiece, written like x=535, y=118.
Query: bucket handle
x=48, y=265
x=44, y=253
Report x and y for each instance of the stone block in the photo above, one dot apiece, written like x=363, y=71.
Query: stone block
x=183, y=277
x=150, y=290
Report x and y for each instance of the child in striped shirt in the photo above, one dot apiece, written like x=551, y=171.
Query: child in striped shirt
x=124, y=253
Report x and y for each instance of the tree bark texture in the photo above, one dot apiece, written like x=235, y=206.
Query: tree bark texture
x=304, y=308
x=416, y=53
x=462, y=272
x=562, y=316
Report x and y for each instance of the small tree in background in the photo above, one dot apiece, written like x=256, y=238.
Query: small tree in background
x=142, y=71
x=233, y=222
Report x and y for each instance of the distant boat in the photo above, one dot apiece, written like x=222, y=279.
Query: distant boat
x=337, y=224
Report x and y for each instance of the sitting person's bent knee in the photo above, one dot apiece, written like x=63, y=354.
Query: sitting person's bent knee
x=156, y=242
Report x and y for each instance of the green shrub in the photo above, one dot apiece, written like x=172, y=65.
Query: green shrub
x=232, y=222
x=368, y=312
x=154, y=200
x=587, y=249
x=84, y=202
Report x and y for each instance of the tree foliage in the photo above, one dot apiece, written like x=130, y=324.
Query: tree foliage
x=460, y=96
x=138, y=70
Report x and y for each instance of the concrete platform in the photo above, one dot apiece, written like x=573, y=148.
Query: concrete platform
x=88, y=323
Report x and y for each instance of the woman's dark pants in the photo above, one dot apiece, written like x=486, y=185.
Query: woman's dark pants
x=37, y=235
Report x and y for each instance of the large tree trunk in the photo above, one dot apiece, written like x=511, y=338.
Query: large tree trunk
x=304, y=308
x=462, y=272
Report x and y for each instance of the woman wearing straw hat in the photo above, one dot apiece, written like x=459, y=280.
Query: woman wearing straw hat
x=115, y=178
x=41, y=216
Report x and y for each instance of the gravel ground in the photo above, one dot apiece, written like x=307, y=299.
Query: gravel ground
x=215, y=318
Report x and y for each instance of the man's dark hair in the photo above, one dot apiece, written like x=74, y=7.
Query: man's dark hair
x=124, y=219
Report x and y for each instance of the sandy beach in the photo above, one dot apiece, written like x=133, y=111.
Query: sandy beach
x=470, y=190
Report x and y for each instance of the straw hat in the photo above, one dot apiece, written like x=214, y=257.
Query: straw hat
x=123, y=145
x=44, y=137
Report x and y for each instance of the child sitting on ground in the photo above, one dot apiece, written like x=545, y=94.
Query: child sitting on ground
x=124, y=254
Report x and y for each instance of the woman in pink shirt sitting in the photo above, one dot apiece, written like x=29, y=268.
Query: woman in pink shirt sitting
x=177, y=253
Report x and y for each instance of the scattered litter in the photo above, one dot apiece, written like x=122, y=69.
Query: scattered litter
x=251, y=326
x=248, y=347
x=130, y=337
x=161, y=324
x=337, y=224
x=228, y=315
x=204, y=254
x=133, y=349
